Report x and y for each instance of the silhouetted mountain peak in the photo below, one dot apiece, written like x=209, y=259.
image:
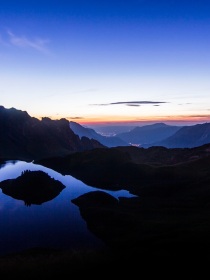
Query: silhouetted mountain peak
x=25, y=137
x=13, y=113
x=90, y=133
x=187, y=137
x=149, y=133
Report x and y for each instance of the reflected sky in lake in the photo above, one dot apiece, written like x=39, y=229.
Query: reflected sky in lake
x=55, y=224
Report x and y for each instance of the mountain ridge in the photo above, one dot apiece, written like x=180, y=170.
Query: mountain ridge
x=25, y=137
x=148, y=133
x=186, y=137
x=111, y=141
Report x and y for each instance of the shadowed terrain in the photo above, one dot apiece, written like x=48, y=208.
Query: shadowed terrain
x=148, y=134
x=27, y=138
x=186, y=137
x=168, y=218
x=136, y=169
x=167, y=222
x=111, y=141
x=33, y=187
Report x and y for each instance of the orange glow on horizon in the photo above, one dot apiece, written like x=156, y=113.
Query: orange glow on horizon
x=145, y=119
x=113, y=120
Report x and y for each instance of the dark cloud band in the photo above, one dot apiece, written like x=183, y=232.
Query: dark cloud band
x=132, y=103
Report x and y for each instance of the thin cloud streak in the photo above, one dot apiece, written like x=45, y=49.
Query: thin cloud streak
x=131, y=103
x=23, y=42
x=200, y=116
x=74, y=118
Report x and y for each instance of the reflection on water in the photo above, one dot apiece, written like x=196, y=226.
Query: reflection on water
x=56, y=223
x=33, y=187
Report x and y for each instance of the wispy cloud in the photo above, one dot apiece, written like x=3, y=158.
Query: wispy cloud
x=74, y=118
x=185, y=103
x=37, y=44
x=131, y=103
x=200, y=116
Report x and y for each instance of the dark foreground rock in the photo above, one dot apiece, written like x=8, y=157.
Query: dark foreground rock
x=33, y=187
x=168, y=218
x=28, y=138
x=145, y=237
x=137, y=228
x=166, y=223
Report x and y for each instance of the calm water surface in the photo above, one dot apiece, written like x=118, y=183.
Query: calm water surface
x=56, y=223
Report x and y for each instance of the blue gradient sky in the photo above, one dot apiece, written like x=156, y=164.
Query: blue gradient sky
x=102, y=61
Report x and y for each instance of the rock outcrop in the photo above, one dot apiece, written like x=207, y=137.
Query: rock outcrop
x=28, y=138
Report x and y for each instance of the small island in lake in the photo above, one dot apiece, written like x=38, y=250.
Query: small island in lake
x=33, y=187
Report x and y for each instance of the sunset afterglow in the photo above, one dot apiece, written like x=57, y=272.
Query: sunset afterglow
x=106, y=62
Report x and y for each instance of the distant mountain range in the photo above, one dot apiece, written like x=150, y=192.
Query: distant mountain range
x=169, y=212
x=111, y=141
x=186, y=137
x=148, y=134
x=25, y=137
x=112, y=130
x=28, y=138
x=158, y=134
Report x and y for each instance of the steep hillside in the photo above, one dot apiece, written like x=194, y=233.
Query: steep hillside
x=148, y=134
x=187, y=137
x=136, y=169
x=25, y=137
x=111, y=141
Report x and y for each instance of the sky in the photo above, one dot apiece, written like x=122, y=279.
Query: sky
x=107, y=62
